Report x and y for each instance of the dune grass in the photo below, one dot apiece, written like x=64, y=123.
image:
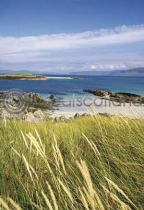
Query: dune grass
x=92, y=163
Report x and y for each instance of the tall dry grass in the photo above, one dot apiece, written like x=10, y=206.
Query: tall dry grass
x=93, y=163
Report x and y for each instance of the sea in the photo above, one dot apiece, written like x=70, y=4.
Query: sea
x=65, y=87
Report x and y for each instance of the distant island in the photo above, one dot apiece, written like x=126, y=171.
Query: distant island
x=22, y=77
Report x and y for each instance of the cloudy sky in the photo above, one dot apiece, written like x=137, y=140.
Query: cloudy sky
x=71, y=35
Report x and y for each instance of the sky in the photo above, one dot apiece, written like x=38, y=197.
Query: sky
x=71, y=35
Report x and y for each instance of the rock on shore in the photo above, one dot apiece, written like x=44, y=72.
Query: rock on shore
x=118, y=97
x=32, y=106
x=34, y=100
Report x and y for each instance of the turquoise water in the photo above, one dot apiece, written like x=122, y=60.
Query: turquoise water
x=67, y=88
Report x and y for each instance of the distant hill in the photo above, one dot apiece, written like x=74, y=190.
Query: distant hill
x=131, y=72
x=139, y=72
x=96, y=73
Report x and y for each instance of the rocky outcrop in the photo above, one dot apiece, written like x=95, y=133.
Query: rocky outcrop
x=37, y=116
x=77, y=78
x=36, y=101
x=2, y=95
x=100, y=93
x=106, y=115
x=86, y=115
x=117, y=97
x=29, y=117
x=63, y=119
x=52, y=98
x=127, y=98
x=23, y=106
x=77, y=115
x=126, y=94
x=32, y=100
x=60, y=119
x=6, y=115
x=57, y=119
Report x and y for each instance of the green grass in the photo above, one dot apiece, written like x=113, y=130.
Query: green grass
x=93, y=163
x=21, y=75
x=18, y=74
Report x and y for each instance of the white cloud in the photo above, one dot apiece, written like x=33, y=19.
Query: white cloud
x=59, y=67
x=119, y=35
x=72, y=51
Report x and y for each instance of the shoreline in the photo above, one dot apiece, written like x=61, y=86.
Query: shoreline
x=72, y=108
x=135, y=111
x=116, y=113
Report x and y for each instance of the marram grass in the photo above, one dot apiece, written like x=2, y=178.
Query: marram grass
x=93, y=163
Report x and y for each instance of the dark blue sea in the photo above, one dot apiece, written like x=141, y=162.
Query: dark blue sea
x=64, y=86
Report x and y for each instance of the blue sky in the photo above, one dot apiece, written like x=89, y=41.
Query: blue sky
x=71, y=35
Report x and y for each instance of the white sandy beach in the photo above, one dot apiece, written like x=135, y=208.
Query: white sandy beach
x=100, y=106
